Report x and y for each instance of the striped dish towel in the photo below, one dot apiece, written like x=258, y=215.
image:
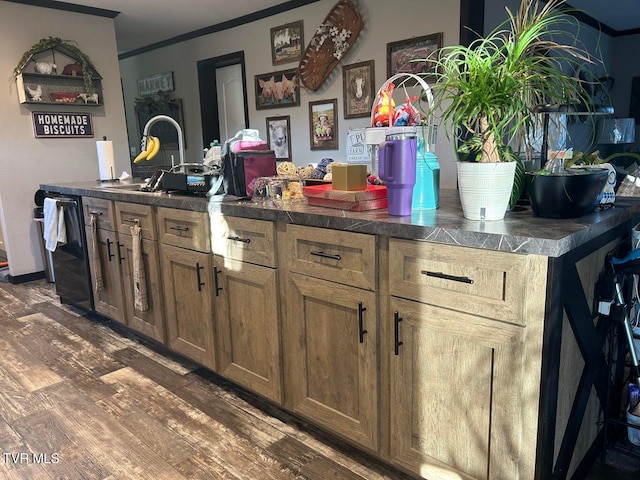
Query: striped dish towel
x=141, y=301
x=95, y=255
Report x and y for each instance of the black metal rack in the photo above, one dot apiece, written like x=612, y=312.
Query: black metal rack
x=567, y=109
x=615, y=425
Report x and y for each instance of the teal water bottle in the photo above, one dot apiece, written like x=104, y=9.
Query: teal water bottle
x=426, y=190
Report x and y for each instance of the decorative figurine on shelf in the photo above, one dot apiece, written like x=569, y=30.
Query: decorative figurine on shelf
x=45, y=67
x=35, y=94
x=72, y=69
x=89, y=97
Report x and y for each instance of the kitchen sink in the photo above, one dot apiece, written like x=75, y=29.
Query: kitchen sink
x=135, y=187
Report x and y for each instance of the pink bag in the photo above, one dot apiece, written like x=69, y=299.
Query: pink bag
x=241, y=169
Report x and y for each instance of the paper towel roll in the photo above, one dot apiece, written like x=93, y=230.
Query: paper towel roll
x=106, y=162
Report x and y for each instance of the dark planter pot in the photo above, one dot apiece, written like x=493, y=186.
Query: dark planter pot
x=567, y=195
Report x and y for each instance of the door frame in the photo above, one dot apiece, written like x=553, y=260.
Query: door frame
x=209, y=103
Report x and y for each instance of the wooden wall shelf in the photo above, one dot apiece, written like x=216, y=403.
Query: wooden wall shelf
x=51, y=85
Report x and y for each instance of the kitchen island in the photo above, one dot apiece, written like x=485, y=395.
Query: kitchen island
x=447, y=347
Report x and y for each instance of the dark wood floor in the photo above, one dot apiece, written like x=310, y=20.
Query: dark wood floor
x=80, y=400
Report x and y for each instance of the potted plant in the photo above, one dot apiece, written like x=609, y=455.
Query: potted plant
x=487, y=93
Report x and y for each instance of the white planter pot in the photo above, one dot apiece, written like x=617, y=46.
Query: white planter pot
x=485, y=189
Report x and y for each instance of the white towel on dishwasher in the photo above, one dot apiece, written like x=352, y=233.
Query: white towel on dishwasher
x=54, y=231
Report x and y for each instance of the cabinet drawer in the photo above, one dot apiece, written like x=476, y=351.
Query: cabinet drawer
x=128, y=214
x=483, y=282
x=343, y=257
x=243, y=239
x=103, y=211
x=184, y=228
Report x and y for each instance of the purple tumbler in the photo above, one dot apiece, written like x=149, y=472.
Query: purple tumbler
x=397, y=167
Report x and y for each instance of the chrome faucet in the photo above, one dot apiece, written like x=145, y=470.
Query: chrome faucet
x=166, y=118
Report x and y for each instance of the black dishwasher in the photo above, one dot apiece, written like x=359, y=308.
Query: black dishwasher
x=71, y=260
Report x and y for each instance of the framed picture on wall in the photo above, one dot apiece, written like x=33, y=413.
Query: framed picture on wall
x=287, y=43
x=277, y=89
x=323, y=124
x=402, y=55
x=358, y=89
x=279, y=136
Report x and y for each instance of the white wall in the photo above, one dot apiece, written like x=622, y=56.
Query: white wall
x=26, y=161
x=384, y=22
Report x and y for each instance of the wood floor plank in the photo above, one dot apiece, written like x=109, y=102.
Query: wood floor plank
x=25, y=364
x=242, y=423
x=10, y=440
x=37, y=292
x=27, y=471
x=110, y=443
x=149, y=429
x=38, y=377
x=239, y=456
x=288, y=424
x=46, y=335
x=99, y=333
x=11, y=306
x=16, y=402
x=48, y=439
x=151, y=369
x=92, y=329
x=200, y=467
x=92, y=387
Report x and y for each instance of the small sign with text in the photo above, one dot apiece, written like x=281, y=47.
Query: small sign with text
x=62, y=125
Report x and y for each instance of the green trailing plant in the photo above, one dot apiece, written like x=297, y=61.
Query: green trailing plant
x=487, y=91
x=68, y=48
x=159, y=102
x=593, y=158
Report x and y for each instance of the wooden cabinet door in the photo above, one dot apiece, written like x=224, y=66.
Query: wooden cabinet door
x=331, y=374
x=188, y=295
x=247, y=324
x=108, y=300
x=150, y=322
x=455, y=392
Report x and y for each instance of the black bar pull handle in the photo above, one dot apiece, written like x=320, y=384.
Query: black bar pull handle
x=199, y=279
x=65, y=202
x=446, y=276
x=120, y=257
x=396, y=320
x=361, y=329
x=179, y=228
x=109, y=254
x=215, y=281
x=240, y=239
x=326, y=255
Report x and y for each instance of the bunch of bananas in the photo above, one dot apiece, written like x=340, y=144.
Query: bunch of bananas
x=152, y=148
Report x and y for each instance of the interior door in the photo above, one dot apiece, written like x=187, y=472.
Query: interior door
x=230, y=93
x=223, y=98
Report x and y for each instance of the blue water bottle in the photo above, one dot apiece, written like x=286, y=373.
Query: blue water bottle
x=426, y=189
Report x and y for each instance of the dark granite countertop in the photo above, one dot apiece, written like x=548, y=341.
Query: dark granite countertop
x=520, y=231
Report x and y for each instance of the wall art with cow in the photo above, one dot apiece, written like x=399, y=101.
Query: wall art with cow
x=277, y=89
x=279, y=136
x=358, y=85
